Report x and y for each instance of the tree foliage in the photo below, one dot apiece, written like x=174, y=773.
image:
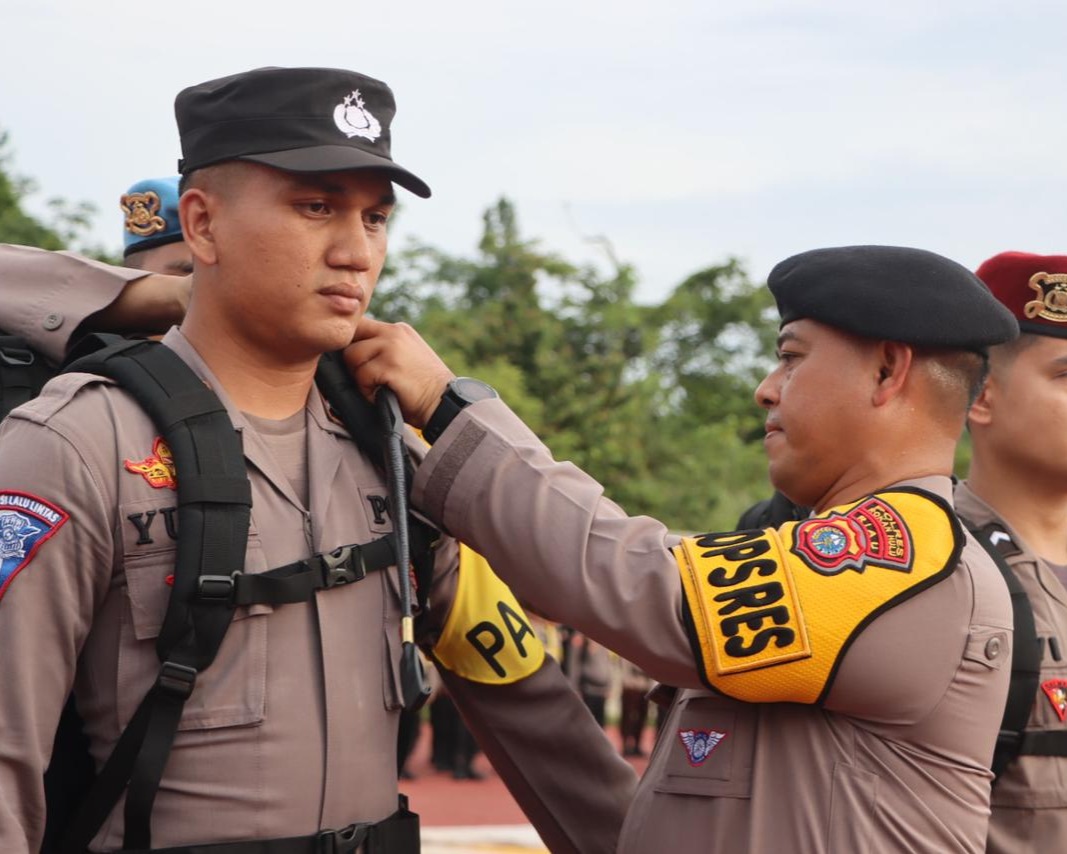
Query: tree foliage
x=67, y=222
x=654, y=401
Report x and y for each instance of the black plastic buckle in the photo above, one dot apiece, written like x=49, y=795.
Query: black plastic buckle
x=343, y=566
x=17, y=356
x=176, y=679
x=344, y=841
x=217, y=588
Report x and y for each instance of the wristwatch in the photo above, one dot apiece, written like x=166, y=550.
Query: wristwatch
x=458, y=395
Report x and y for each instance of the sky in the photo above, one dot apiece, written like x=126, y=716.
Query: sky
x=685, y=132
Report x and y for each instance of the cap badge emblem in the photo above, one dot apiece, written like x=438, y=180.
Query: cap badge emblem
x=354, y=119
x=1051, y=302
x=142, y=213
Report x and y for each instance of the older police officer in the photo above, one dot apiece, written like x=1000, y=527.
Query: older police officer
x=843, y=675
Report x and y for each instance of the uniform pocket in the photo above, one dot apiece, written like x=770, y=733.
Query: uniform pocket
x=852, y=803
x=232, y=691
x=709, y=743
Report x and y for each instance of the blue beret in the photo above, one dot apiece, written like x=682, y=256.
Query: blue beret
x=151, y=214
x=892, y=293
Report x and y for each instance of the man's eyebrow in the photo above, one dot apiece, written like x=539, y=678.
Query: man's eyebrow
x=325, y=185
x=787, y=335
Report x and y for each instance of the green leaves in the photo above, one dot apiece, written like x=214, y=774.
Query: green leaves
x=654, y=401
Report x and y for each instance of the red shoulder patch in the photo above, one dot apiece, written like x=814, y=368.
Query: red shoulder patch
x=1056, y=691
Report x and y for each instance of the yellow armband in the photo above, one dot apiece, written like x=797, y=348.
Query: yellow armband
x=487, y=637
x=774, y=611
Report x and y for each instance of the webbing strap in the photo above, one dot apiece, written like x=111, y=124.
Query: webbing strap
x=207, y=452
x=214, y=500
x=22, y=373
x=299, y=581
x=1025, y=656
x=1053, y=743
x=364, y=425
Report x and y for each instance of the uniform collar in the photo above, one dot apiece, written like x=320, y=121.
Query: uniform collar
x=980, y=513
x=323, y=458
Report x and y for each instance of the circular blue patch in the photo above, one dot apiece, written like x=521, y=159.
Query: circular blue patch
x=829, y=541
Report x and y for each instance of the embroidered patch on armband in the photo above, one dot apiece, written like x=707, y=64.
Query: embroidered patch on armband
x=773, y=612
x=158, y=469
x=1056, y=691
x=26, y=522
x=870, y=534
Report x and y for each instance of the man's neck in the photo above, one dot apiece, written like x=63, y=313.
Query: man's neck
x=1034, y=507
x=257, y=383
x=881, y=468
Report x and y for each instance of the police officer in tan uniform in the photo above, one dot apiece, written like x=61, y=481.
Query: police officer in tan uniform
x=152, y=236
x=1016, y=494
x=842, y=676
x=290, y=734
x=52, y=298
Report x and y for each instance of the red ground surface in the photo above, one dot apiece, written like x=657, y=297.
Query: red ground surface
x=443, y=801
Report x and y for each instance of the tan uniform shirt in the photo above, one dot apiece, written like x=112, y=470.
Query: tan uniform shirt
x=44, y=296
x=293, y=727
x=1030, y=797
x=895, y=760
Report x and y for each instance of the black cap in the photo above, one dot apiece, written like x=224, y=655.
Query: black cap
x=892, y=293
x=296, y=119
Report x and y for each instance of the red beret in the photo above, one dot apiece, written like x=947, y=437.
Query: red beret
x=1033, y=287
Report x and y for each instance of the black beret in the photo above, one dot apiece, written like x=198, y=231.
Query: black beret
x=296, y=119
x=892, y=293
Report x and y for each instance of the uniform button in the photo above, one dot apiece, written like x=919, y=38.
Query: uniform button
x=53, y=321
x=992, y=648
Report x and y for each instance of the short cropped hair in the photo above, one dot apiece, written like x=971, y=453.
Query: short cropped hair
x=957, y=375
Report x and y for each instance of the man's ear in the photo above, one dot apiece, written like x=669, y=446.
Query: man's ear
x=894, y=361
x=197, y=209
x=981, y=411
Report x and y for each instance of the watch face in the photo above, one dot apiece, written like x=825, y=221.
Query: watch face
x=472, y=390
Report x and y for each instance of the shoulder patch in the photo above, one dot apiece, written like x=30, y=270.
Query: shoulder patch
x=773, y=612
x=26, y=522
x=1056, y=691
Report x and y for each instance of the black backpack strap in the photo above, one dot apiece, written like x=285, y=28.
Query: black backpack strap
x=23, y=372
x=1025, y=656
x=364, y=424
x=214, y=502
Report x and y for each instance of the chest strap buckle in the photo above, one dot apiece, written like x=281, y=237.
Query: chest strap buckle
x=343, y=566
x=344, y=841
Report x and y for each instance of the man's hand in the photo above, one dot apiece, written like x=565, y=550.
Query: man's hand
x=394, y=355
